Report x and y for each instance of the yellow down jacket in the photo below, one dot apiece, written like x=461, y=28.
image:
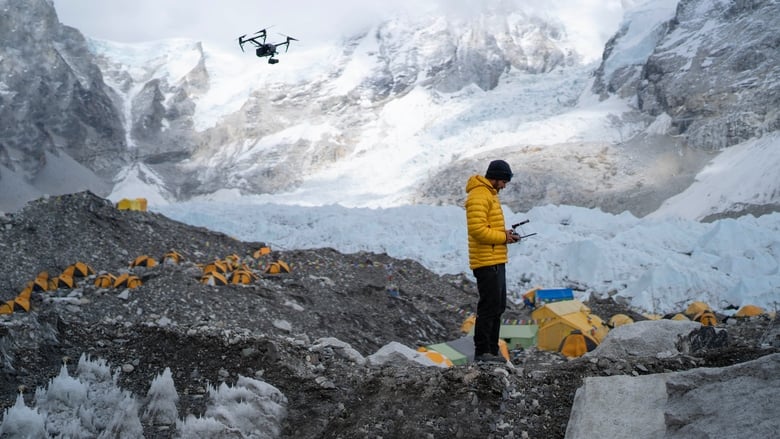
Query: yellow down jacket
x=485, y=223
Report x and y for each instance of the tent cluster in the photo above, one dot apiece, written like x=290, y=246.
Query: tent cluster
x=560, y=323
x=702, y=313
x=130, y=280
x=42, y=282
x=229, y=270
x=233, y=270
x=266, y=264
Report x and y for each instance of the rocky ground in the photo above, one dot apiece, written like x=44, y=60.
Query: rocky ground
x=270, y=329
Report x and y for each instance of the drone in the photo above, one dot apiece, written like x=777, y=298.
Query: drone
x=263, y=49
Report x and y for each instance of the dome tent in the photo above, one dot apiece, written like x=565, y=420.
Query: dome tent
x=558, y=319
x=79, y=269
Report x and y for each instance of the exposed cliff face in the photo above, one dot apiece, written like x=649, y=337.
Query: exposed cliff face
x=52, y=96
x=453, y=53
x=432, y=95
x=714, y=67
x=441, y=54
x=109, y=104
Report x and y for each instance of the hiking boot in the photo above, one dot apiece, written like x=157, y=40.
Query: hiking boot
x=489, y=358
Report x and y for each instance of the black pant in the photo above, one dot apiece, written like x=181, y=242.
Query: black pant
x=491, y=284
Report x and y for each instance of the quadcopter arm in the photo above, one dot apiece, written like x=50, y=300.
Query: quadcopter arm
x=253, y=39
x=286, y=43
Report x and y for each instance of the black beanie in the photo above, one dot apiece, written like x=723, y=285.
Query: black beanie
x=499, y=170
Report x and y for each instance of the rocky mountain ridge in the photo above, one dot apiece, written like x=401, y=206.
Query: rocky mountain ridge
x=52, y=95
x=712, y=69
x=127, y=122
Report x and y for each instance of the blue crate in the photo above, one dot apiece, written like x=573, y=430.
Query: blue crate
x=553, y=295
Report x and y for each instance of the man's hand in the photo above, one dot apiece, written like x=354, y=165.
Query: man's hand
x=511, y=236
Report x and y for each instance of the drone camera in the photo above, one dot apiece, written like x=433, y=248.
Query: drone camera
x=262, y=48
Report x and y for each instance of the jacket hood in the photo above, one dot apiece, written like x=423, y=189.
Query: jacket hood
x=476, y=181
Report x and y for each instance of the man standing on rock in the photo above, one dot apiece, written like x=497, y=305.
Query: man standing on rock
x=488, y=239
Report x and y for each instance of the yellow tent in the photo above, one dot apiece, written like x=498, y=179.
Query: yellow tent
x=79, y=269
x=278, y=267
x=750, y=311
x=215, y=267
x=61, y=281
x=105, y=280
x=41, y=282
x=262, y=251
x=437, y=357
x=706, y=318
x=468, y=324
x=23, y=299
x=132, y=204
x=619, y=320
x=20, y=302
x=7, y=307
x=557, y=320
x=242, y=276
x=232, y=261
x=127, y=280
x=143, y=261
x=213, y=278
x=172, y=257
x=696, y=308
x=576, y=344
x=679, y=316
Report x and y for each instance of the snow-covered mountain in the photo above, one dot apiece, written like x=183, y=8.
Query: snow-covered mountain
x=402, y=112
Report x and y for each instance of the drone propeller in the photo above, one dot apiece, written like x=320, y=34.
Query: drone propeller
x=286, y=43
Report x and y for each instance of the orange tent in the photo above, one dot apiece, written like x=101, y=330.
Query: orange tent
x=79, y=269
x=213, y=279
x=41, y=282
x=437, y=357
x=468, y=324
x=242, y=276
x=172, y=257
x=216, y=267
x=619, y=320
x=750, y=311
x=23, y=299
x=696, y=308
x=262, y=251
x=61, y=281
x=278, y=267
x=7, y=307
x=105, y=280
x=143, y=261
x=576, y=344
x=706, y=318
x=127, y=280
